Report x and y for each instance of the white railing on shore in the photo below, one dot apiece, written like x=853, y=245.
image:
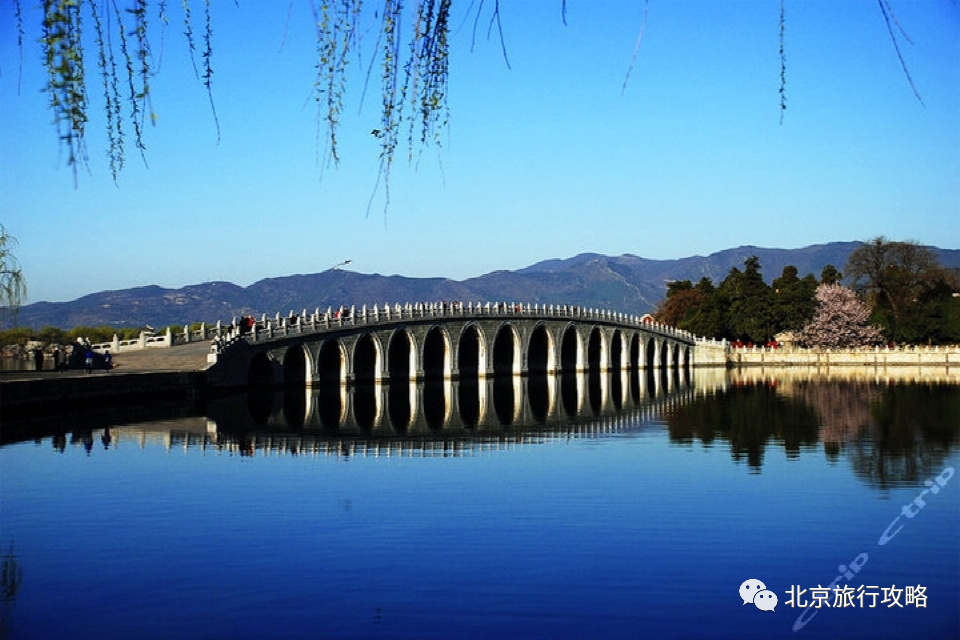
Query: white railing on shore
x=881, y=356
x=168, y=339
x=145, y=341
x=911, y=348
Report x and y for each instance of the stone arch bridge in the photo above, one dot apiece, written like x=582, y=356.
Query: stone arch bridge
x=442, y=340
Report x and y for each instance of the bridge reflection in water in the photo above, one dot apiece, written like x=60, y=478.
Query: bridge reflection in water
x=443, y=413
x=899, y=423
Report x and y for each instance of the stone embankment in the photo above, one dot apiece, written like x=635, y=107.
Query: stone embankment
x=138, y=376
x=939, y=356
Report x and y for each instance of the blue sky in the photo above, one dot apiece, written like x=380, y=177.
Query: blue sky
x=545, y=159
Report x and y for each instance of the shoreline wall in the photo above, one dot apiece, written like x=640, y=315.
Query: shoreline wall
x=939, y=356
x=53, y=394
x=711, y=353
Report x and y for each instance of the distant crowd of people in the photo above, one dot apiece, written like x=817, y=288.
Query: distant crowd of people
x=77, y=356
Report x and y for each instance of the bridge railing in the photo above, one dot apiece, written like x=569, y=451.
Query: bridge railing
x=269, y=327
x=145, y=341
x=906, y=348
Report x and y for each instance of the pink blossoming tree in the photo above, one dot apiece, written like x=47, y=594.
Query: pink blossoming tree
x=841, y=320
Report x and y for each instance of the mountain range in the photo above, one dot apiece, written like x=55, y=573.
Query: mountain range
x=626, y=283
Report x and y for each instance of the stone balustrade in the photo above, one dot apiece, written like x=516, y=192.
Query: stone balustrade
x=871, y=356
x=145, y=341
x=272, y=326
x=267, y=327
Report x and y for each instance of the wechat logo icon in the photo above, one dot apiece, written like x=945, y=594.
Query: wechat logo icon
x=756, y=592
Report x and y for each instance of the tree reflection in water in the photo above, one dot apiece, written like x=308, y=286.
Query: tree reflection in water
x=913, y=428
x=894, y=432
x=747, y=416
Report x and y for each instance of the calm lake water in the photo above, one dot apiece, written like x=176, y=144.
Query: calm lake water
x=585, y=507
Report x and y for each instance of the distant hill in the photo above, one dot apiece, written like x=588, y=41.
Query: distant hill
x=625, y=283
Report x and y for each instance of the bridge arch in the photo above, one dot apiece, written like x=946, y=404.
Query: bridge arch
x=471, y=352
x=618, y=352
x=262, y=371
x=571, y=349
x=330, y=362
x=650, y=353
x=367, y=359
x=663, y=349
x=296, y=366
x=506, y=351
x=686, y=356
x=436, y=353
x=401, y=356
x=541, y=353
x=635, y=357
x=596, y=351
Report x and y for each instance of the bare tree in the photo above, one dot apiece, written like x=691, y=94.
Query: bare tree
x=894, y=276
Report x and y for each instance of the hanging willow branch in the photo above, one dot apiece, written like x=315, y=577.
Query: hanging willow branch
x=336, y=28
x=111, y=94
x=636, y=47
x=421, y=97
x=783, y=60
x=887, y=11
x=428, y=69
x=63, y=59
x=208, y=63
x=121, y=36
x=18, y=13
x=136, y=93
x=390, y=114
x=414, y=67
